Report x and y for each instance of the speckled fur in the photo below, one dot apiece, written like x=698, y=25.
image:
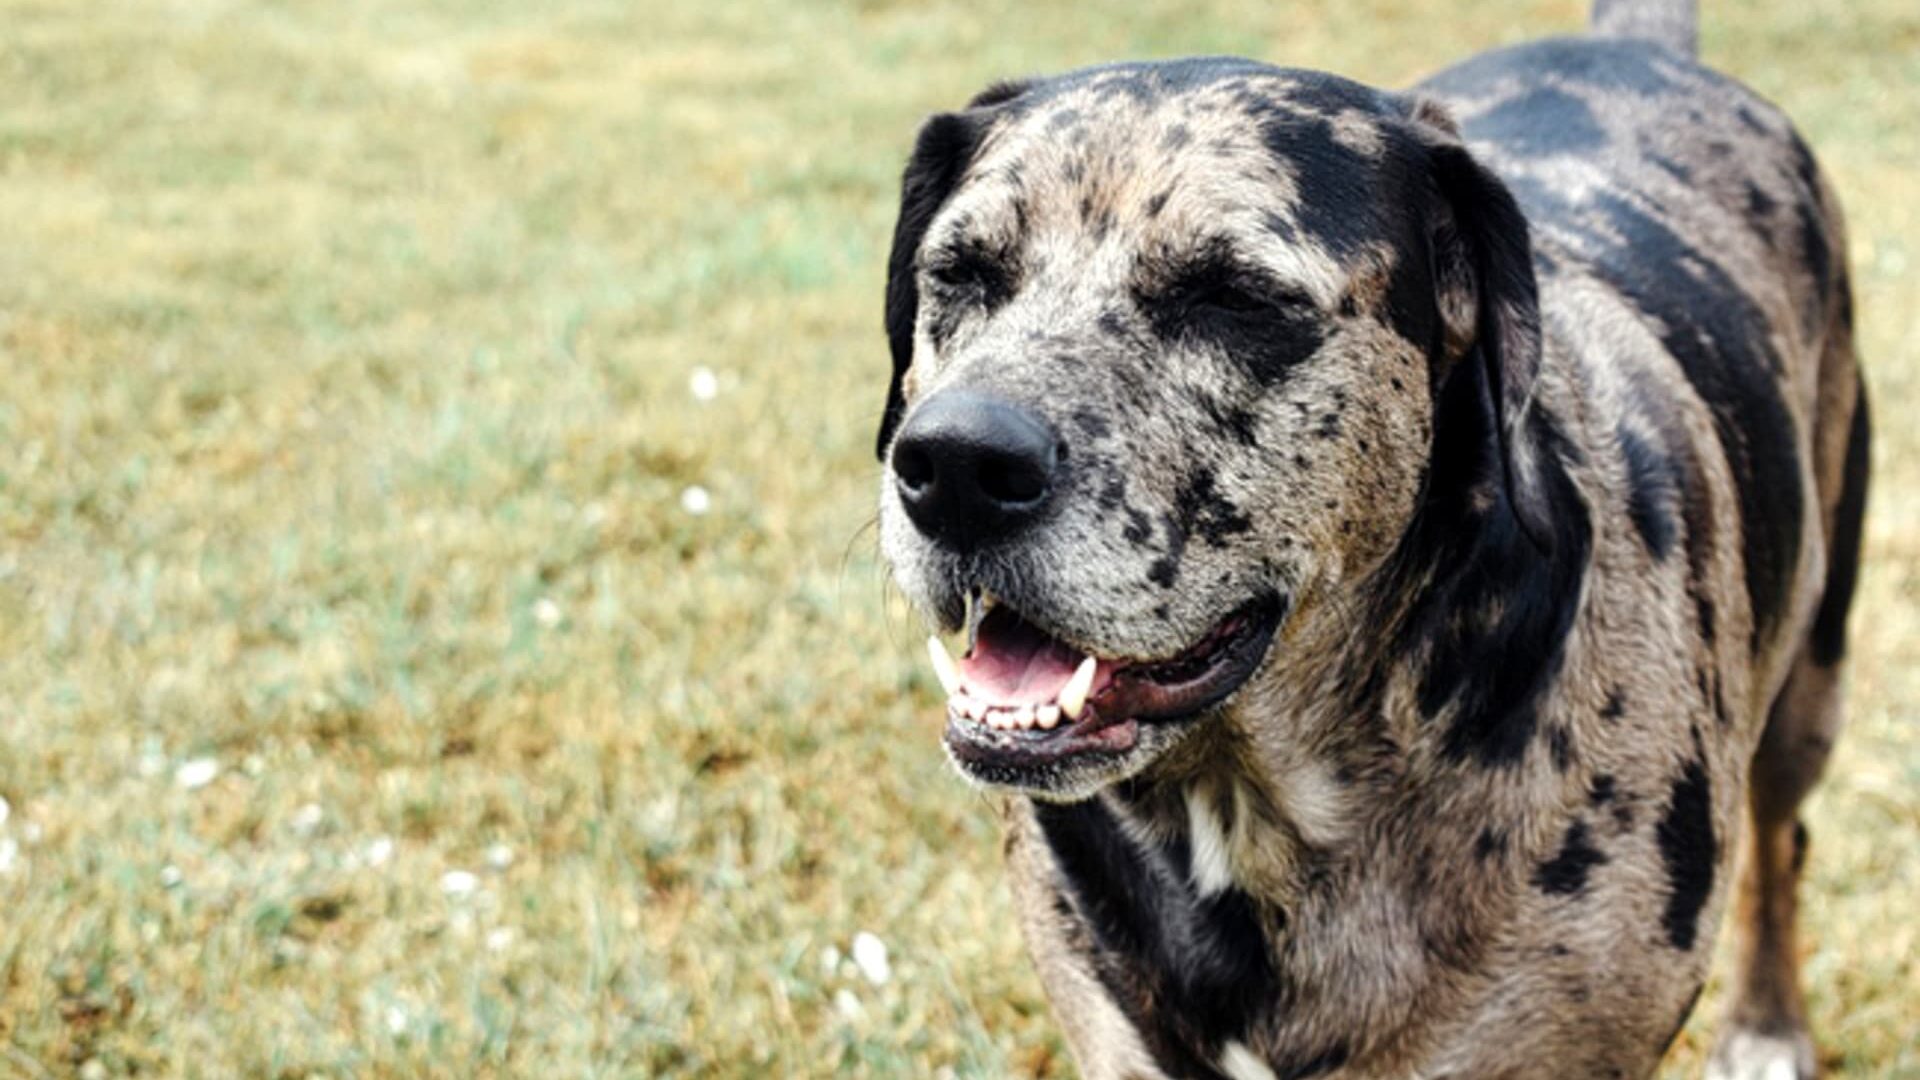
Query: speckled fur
x=1546, y=602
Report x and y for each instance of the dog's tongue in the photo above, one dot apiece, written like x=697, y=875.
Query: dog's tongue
x=1014, y=662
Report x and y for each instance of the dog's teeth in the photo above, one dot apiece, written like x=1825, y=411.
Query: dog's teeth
x=1023, y=717
x=1047, y=716
x=974, y=708
x=943, y=668
x=1073, y=697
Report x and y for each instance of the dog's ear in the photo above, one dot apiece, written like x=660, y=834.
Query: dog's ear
x=941, y=154
x=1489, y=304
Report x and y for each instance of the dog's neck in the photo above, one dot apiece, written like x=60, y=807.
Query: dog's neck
x=1322, y=810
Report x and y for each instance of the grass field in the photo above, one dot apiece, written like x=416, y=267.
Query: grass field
x=404, y=671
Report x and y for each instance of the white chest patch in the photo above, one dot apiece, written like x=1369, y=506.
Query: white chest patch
x=1239, y=1063
x=1212, y=868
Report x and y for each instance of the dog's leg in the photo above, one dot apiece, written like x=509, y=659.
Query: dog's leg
x=1765, y=1034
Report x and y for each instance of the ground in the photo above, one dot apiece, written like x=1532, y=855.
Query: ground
x=440, y=625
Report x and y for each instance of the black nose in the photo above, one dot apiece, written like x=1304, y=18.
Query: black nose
x=973, y=468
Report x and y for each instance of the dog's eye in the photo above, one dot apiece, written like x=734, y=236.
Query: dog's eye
x=971, y=276
x=1229, y=297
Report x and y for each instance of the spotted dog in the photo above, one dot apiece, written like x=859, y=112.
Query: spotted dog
x=1402, y=540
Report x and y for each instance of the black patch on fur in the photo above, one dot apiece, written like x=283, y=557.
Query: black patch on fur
x=1719, y=335
x=1616, y=705
x=1234, y=420
x=1566, y=873
x=1337, y=205
x=1494, y=675
x=1601, y=790
x=1190, y=971
x=1489, y=843
x=1544, y=121
x=1651, y=493
x=1560, y=748
x=1200, y=508
x=1688, y=849
x=1157, y=203
x=1212, y=298
x=1827, y=642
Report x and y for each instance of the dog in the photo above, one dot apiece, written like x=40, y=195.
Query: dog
x=1400, y=540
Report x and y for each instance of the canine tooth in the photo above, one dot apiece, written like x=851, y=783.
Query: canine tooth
x=1073, y=696
x=1047, y=716
x=943, y=668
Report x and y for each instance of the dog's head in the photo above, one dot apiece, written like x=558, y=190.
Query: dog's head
x=1169, y=346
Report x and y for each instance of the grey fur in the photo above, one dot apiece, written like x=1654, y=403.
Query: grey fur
x=1463, y=824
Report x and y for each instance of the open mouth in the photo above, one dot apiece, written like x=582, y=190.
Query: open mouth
x=1021, y=697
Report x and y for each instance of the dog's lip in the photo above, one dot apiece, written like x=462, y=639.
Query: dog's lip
x=1126, y=694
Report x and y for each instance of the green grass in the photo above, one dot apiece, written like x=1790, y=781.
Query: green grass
x=345, y=351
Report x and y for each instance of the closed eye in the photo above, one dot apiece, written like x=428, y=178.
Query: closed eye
x=1222, y=288
x=1266, y=326
x=970, y=274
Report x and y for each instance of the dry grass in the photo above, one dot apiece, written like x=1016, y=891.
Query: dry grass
x=346, y=351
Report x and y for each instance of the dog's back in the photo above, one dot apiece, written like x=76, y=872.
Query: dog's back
x=1667, y=199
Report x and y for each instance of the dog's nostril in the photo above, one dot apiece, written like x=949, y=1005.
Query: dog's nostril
x=914, y=467
x=1012, y=481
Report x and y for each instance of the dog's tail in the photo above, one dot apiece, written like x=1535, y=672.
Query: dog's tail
x=1673, y=23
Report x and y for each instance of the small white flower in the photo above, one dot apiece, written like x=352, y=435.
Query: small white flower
x=196, y=774
x=847, y=1005
x=703, y=383
x=499, y=856
x=546, y=613
x=170, y=876
x=93, y=1070
x=695, y=500
x=830, y=961
x=396, y=1020
x=870, y=954
x=378, y=850
x=500, y=939
x=6, y=811
x=459, y=884
x=9, y=854
x=307, y=818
